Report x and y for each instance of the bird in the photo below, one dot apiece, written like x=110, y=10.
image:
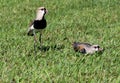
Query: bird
x=38, y=25
x=86, y=48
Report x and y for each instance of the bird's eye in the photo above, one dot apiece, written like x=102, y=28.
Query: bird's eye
x=42, y=9
x=95, y=47
x=98, y=46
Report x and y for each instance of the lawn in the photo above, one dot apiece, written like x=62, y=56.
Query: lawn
x=92, y=21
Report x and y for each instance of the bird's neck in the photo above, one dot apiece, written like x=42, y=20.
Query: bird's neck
x=39, y=16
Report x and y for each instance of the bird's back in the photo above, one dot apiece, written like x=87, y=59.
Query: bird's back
x=81, y=47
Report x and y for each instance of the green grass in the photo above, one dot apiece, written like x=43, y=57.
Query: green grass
x=93, y=21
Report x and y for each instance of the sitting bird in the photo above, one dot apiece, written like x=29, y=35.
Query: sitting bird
x=86, y=48
x=38, y=25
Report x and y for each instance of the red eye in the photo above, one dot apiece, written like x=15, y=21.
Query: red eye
x=98, y=46
x=95, y=47
x=42, y=9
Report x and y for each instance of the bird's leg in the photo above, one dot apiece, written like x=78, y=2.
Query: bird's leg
x=40, y=39
x=35, y=41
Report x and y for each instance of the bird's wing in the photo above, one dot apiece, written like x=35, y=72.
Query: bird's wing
x=81, y=49
x=77, y=46
x=30, y=29
x=31, y=23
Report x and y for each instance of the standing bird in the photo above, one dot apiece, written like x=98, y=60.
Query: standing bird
x=38, y=25
x=86, y=48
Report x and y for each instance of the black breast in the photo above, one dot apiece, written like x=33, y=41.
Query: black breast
x=40, y=24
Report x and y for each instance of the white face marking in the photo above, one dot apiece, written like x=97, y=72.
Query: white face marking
x=40, y=13
x=95, y=47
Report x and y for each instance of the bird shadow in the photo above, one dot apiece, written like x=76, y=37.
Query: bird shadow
x=45, y=49
x=52, y=47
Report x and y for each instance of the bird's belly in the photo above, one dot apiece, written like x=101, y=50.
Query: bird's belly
x=89, y=51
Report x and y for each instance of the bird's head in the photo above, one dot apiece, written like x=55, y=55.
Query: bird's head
x=41, y=11
x=97, y=48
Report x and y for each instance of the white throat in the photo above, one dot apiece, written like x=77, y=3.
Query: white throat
x=40, y=15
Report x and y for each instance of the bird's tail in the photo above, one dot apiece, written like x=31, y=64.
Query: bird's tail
x=75, y=46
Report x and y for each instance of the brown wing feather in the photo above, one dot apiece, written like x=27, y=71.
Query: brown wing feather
x=30, y=31
x=31, y=23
